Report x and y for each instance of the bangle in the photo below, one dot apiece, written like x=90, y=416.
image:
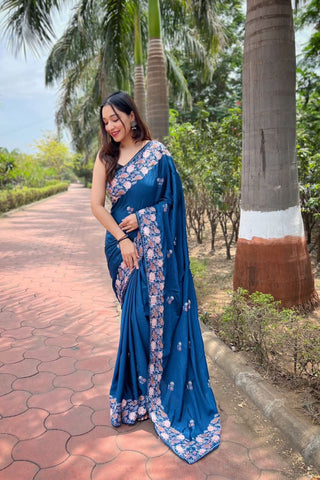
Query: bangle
x=123, y=238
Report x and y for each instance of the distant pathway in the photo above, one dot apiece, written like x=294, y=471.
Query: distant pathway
x=59, y=330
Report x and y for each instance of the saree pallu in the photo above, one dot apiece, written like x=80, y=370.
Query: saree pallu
x=161, y=370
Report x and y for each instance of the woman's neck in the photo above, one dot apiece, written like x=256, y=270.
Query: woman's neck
x=127, y=143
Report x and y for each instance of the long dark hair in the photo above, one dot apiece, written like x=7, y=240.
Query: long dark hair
x=109, y=152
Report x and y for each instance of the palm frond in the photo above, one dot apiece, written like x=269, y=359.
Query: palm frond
x=28, y=23
x=118, y=28
x=80, y=42
x=177, y=81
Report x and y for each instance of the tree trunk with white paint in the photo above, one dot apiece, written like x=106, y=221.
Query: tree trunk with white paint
x=272, y=255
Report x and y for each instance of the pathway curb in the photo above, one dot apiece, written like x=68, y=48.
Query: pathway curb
x=305, y=438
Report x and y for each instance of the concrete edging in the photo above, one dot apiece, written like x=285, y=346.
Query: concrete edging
x=305, y=438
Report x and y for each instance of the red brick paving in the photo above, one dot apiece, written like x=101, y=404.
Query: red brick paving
x=59, y=328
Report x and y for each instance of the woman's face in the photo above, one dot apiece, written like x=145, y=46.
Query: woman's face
x=117, y=123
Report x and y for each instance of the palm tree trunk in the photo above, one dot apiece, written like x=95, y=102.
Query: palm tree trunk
x=139, y=80
x=271, y=256
x=157, y=89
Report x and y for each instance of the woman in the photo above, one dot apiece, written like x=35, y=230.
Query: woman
x=161, y=371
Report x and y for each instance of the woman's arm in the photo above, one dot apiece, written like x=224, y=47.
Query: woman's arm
x=98, y=196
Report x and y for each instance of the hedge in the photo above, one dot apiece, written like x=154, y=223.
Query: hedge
x=10, y=199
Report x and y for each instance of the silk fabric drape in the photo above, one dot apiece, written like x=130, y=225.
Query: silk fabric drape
x=161, y=369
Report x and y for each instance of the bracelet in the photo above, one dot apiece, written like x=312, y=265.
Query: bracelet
x=123, y=237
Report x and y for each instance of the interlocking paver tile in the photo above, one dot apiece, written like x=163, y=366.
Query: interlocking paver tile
x=25, y=368
x=98, y=444
x=97, y=364
x=12, y=355
x=62, y=340
x=30, y=343
x=79, y=330
x=61, y=366
x=45, y=353
x=55, y=401
x=5, y=343
x=74, y=468
x=29, y=424
x=51, y=331
x=38, y=383
x=6, y=382
x=236, y=430
x=94, y=398
x=7, y=442
x=128, y=465
x=46, y=450
x=103, y=378
x=143, y=440
x=13, y=403
x=19, y=333
x=19, y=471
x=232, y=462
x=75, y=421
x=170, y=466
x=78, y=381
x=101, y=417
x=77, y=351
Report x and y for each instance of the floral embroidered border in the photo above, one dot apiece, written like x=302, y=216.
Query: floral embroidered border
x=189, y=450
x=128, y=411
x=135, y=170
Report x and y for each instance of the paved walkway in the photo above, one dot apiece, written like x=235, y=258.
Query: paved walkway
x=59, y=328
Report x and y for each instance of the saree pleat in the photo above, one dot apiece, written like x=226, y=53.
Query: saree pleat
x=161, y=369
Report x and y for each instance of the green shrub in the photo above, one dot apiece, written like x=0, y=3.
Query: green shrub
x=280, y=338
x=14, y=198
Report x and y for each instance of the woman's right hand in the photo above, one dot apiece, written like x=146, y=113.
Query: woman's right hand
x=129, y=253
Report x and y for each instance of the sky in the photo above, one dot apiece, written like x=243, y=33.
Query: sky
x=27, y=106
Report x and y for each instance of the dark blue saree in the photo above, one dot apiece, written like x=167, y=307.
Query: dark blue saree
x=161, y=370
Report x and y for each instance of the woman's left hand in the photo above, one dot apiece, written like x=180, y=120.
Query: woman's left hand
x=129, y=223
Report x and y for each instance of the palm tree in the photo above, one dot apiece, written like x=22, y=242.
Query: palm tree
x=271, y=255
x=157, y=87
x=100, y=37
x=139, y=79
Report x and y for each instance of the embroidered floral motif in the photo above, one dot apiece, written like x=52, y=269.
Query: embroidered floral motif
x=187, y=305
x=179, y=346
x=128, y=411
x=171, y=386
x=135, y=170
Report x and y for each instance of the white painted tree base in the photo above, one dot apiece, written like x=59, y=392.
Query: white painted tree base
x=268, y=225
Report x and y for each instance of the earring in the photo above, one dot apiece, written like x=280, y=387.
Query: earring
x=133, y=125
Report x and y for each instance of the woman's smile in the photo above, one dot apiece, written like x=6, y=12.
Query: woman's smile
x=115, y=133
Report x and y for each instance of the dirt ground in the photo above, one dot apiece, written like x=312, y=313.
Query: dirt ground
x=213, y=274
